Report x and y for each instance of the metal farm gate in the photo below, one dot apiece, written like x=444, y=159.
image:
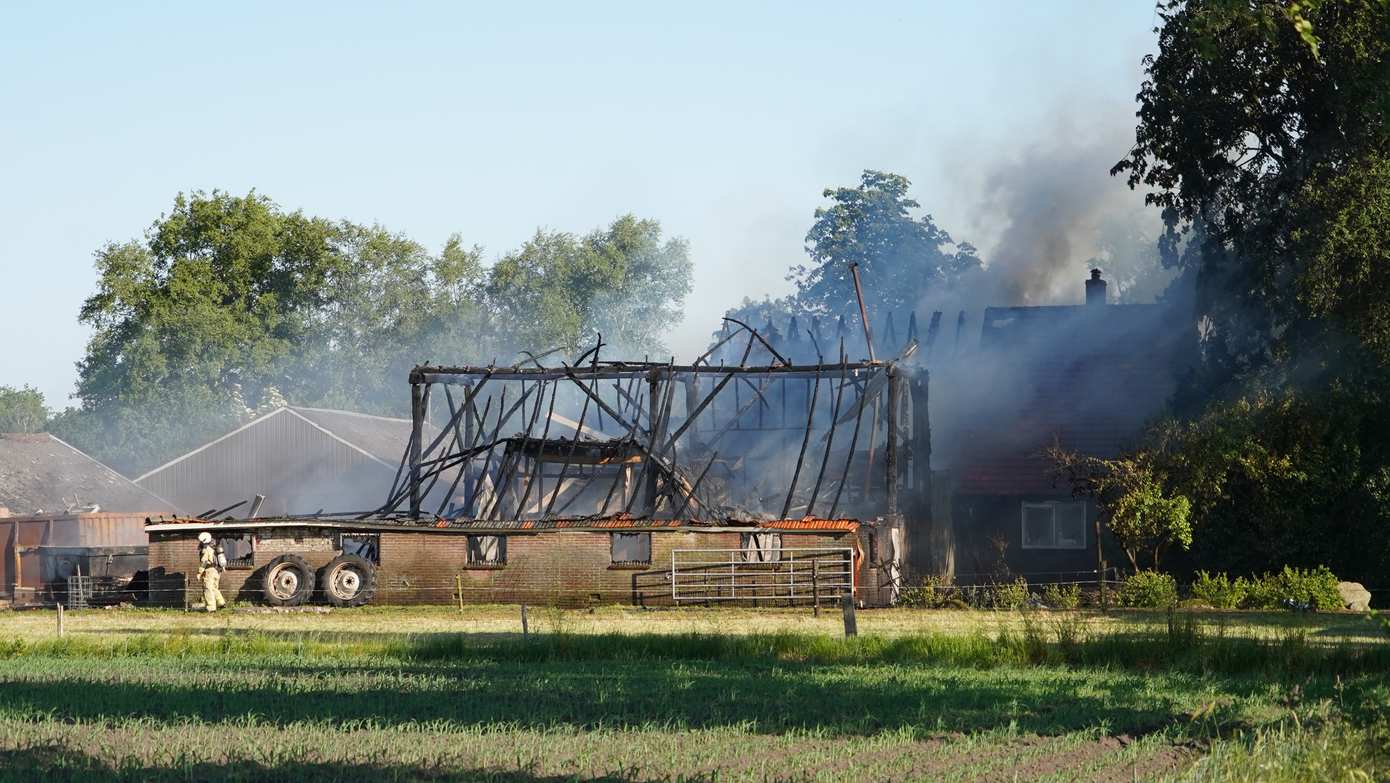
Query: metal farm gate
x=795, y=575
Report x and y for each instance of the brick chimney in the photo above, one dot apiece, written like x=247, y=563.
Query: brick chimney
x=1095, y=289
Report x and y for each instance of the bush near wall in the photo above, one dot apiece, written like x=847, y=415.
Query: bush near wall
x=1149, y=590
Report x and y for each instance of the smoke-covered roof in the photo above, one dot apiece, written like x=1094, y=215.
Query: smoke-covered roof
x=1087, y=378
x=42, y=474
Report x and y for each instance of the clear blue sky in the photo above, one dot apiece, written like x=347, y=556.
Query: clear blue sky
x=724, y=121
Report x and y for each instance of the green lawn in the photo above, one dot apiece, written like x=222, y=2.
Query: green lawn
x=975, y=696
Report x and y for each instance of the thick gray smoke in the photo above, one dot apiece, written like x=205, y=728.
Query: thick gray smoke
x=1055, y=211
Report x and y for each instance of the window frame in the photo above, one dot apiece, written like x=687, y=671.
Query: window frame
x=245, y=561
x=1052, y=506
x=473, y=551
x=613, y=562
x=758, y=554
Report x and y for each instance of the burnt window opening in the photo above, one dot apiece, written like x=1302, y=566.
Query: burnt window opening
x=240, y=550
x=761, y=547
x=1054, y=525
x=365, y=545
x=487, y=550
x=631, y=549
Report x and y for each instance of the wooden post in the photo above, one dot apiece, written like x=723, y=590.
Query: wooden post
x=815, y=584
x=525, y=626
x=890, y=445
x=847, y=605
x=470, y=435
x=649, y=471
x=14, y=596
x=1100, y=567
x=458, y=589
x=60, y=621
x=417, y=421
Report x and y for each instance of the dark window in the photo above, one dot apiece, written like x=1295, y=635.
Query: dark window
x=761, y=547
x=240, y=550
x=487, y=550
x=1054, y=525
x=632, y=548
x=365, y=545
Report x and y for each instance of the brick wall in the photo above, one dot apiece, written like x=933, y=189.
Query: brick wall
x=571, y=568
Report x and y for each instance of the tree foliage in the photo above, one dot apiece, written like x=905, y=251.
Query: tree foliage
x=22, y=410
x=1142, y=514
x=1263, y=137
x=900, y=255
x=1262, y=146
x=623, y=281
x=230, y=306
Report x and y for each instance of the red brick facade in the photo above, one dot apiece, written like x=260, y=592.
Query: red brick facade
x=565, y=567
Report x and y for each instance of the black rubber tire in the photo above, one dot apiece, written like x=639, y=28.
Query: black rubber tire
x=287, y=581
x=348, y=580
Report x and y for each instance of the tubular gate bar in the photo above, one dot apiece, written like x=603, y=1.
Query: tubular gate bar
x=800, y=574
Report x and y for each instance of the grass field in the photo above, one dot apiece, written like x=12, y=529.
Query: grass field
x=707, y=695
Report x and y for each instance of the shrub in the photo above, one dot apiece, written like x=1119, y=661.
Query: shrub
x=929, y=593
x=1010, y=595
x=1315, y=588
x=1062, y=596
x=1218, y=591
x=1150, y=590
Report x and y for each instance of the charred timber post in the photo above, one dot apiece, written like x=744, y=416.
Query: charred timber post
x=417, y=422
x=470, y=431
x=654, y=420
x=863, y=313
x=890, y=446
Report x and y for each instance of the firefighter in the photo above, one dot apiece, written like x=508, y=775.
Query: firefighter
x=211, y=562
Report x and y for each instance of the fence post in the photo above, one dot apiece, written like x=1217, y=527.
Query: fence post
x=60, y=621
x=815, y=584
x=458, y=589
x=1100, y=567
x=525, y=627
x=847, y=604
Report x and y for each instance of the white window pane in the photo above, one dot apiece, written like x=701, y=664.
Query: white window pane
x=1037, y=526
x=1071, y=525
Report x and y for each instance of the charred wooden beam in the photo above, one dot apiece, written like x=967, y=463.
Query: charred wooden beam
x=417, y=423
x=801, y=455
x=829, y=443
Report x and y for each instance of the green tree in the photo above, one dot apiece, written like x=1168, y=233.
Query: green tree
x=900, y=256
x=22, y=410
x=1263, y=137
x=624, y=282
x=1267, y=148
x=231, y=306
x=1142, y=514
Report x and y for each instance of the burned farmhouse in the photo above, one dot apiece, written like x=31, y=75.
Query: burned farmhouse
x=759, y=472
x=642, y=482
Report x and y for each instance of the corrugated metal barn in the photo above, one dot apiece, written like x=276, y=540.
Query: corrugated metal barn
x=304, y=460
x=63, y=513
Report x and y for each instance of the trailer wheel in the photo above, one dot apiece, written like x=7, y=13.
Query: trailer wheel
x=287, y=581
x=349, y=580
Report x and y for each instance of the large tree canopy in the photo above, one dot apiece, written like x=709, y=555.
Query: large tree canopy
x=902, y=255
x=230, y=305
x=1271, y=149
x=624, y=281
x=1263, y=136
